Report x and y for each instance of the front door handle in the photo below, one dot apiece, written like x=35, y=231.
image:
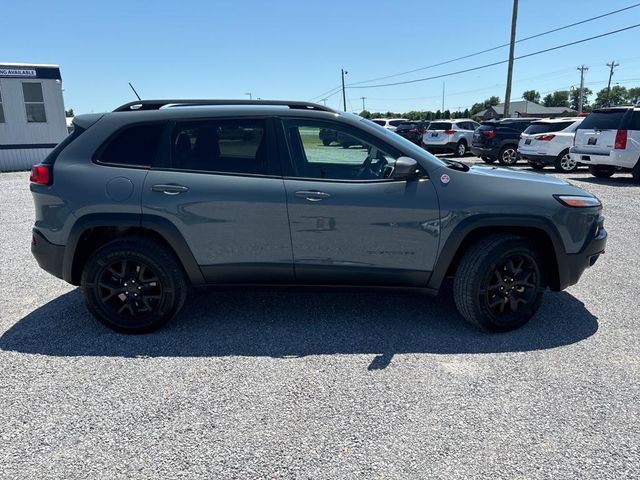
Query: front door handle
x=312, y=195
x=170, y=189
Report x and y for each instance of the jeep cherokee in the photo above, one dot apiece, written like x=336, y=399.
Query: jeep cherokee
x=140, y=203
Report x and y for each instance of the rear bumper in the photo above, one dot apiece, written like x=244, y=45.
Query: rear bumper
x=48, y=255
x=484, y=151
x=572, y=266
x=441, y=147
x=626, y=158
x=543, y=159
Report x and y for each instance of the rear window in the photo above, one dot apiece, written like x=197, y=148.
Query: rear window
x=382, y=123
x=440, y=126
x=407, y=126
x=635, y=121
x=517, y=126
x=134, y=146
x=395, y=123
x=546, y=127
x=603, y=120
x=51, y=158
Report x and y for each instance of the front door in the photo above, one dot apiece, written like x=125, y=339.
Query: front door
x=222, y=193
x=351, y=223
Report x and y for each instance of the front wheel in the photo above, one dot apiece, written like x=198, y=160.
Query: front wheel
x=508, y=155
x=326, y=142
x=564, y=163
x=498, y=285
x=602, y=171
x=133, y=285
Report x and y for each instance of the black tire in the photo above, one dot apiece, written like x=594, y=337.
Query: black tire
x=564, y=163
x=133, y=285
x=635, y=172
x=326, y=142
x=487, y=299
x=508, y=155
x=461, y=149
x=488, y=159
x=536, y=165
x=602, y=171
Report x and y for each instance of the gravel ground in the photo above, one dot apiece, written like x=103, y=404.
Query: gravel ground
x=277, y=384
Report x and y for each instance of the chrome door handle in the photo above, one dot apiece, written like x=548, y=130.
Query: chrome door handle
x=311, y=195
x=170, y=189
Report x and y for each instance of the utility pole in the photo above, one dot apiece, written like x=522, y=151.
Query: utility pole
x=324, y=101
x=344, y=95
x=250, y=96
x=507, y=95
x=611, y=65
x=363, y=99
x=442, y=98
x=582, y=69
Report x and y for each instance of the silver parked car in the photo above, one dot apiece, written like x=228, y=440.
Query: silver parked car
x=453, y=136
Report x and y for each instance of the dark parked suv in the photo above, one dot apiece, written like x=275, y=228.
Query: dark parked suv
x=498, y=140
x=140, y=203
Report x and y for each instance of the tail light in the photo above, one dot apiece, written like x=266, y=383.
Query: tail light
x=40, y=174
x=621, y=140
x=449, y=132
x=414, y=130
x=490, y=133
x=545, y=138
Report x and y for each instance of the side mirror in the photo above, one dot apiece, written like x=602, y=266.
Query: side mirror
x=405, y=168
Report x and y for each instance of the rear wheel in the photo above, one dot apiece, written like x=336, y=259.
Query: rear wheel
x=133, y=285
x=498, y=285
x=326, y=142
x=564, y=163
x=488, y=159
x=636, y=172
x=602, y=171
x=508, y=155
x=461, y=149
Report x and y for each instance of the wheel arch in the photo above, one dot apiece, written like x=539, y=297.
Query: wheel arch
x=539, y=230
x=94, y=230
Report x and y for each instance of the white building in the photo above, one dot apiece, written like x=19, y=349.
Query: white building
x=32, y=117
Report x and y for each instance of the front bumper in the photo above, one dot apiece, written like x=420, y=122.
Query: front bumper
x=572, y=266
x=48, y=255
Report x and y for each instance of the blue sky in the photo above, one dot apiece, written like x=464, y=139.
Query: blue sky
x=295, y=49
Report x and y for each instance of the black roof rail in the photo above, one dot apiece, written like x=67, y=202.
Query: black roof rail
x=157, y=104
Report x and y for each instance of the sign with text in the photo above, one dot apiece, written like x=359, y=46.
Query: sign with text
x=17, y=72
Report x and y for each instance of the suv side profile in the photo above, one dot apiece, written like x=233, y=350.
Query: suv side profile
x=498, y=140
x=141, y=203
x=452, y=136
x=547, y=142
x=608, y=140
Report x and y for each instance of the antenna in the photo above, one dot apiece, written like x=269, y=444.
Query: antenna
x=134, y=91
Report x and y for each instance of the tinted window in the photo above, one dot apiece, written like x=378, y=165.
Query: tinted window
x=395, y=123
x=440, y=126
x=407, y=126
x=603, y=120
x=358, y=159
x=34, y=102
x=134, y=146
x=545, y=127
x=382, y=123
x=635, y=121
x=518, y=126
x=226, y=146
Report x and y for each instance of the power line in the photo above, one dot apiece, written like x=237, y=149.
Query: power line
x=497, y=47
x=480, y=67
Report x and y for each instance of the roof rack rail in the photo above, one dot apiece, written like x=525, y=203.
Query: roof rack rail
x=158, y=104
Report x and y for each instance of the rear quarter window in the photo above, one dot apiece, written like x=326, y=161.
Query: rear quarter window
x=603, y=120
x=635, y=121
x=135, y=146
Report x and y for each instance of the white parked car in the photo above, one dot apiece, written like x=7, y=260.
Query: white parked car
x=390, y=123
x=609, y=140
x=547, y=142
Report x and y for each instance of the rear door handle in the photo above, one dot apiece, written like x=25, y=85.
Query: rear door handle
x=170, y=189
x=312, y=195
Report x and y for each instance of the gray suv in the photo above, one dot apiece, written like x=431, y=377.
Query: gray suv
x=140, y=203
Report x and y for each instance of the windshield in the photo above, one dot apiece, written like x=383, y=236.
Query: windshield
x=410, y=148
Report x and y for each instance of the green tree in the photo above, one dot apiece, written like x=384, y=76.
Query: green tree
x=69, y=113
x=575, y=98
x=633, y=95
x=365, y=114
x=532, y=96
x=617, y=96
x=557, y=99
x=489, y=102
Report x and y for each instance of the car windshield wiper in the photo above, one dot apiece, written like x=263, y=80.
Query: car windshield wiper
x=456, y=165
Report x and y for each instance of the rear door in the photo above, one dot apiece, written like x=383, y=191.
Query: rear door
x=221, y=187
x=596, y=135
x=436, y=134
x=350, y=222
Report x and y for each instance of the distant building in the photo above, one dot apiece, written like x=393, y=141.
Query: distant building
x=32, y=120
x=525, y=108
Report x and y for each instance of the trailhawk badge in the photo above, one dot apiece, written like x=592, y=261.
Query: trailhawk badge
x=444, y=178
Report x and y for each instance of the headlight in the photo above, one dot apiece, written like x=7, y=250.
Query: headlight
x=578, y=201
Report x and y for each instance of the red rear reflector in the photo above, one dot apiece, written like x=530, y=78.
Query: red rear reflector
x=40, y=174
x=621, y=140
x=449, y=132
x=490, y=133
x=546, y=138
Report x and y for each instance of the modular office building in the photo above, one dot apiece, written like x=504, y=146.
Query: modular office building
x=32, y=120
